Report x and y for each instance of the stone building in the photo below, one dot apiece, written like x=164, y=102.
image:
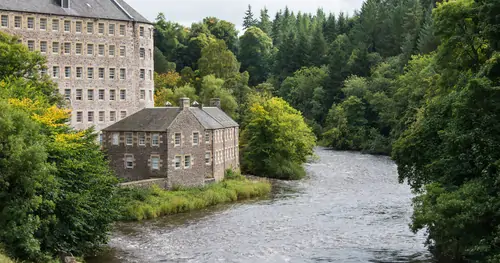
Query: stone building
x=99, y=52
x=185, y=145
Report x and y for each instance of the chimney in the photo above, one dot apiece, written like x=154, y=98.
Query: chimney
x=184, y=103
x=168, y=104
x=215, y=102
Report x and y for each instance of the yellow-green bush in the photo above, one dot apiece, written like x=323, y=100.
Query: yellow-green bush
x=139, y=204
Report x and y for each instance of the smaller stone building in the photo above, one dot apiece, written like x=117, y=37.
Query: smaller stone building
x=186, y=145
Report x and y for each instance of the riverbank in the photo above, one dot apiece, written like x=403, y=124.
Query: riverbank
x=140, y=204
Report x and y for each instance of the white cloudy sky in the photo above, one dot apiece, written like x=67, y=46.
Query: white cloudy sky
x=188, y=11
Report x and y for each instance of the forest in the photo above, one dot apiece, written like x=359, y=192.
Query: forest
x=413, y=79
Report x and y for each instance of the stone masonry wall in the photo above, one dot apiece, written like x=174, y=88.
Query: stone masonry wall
x=138, y=92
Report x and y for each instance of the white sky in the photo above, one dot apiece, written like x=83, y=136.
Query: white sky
x=189, y=11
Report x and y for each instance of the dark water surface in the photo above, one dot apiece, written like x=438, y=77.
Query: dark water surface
x=350, y=209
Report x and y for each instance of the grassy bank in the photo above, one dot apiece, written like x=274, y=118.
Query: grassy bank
x=139, y=204
x=5, y=259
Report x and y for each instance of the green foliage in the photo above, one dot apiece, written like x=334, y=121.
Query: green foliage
x=139, y=204
x=249, y=20
x=218, y=60
x=256, y=50
x=275, y=141
x=161, y=63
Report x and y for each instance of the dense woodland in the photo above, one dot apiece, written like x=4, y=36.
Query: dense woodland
x=414, y=79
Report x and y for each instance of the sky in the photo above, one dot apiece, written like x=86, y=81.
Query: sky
x=188, y=11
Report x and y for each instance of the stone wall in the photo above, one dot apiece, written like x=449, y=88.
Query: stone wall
x=138, y=92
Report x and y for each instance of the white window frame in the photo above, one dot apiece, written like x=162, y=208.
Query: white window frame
x=142, y=138
x=155, y=139
x=175, y=139
x=129, y=158
x=155, y=162
x=31, y=25
x=43, y=24
x=178, y=162
x=129, y=135
x=187, y=159
x=79, y=94
x=196, y=138
x=208, y=157
x=4, y=21
x=79, y=116
x=116, y=138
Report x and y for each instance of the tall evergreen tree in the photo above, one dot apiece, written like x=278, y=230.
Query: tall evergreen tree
x=249, y=20
x=330, y=28
x=276, y=33
x=319, y=48
x=265, y=23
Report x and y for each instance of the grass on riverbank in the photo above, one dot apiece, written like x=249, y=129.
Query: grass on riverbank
x=139, y=204
x=5, y=259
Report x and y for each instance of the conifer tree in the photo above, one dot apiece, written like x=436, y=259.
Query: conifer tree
x=330, y=28
x=265, y=23
x=249, y=20
x=319, y=48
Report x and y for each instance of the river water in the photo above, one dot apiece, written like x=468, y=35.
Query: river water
x=350, y=208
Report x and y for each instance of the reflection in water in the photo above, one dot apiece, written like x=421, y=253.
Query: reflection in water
x=350, y=209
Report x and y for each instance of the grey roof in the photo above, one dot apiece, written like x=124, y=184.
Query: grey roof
x=221, y=117
x=150, y=119
x=206, y=120
x=104, y=9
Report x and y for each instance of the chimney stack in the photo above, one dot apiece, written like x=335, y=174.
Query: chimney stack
x=215, y=102
x=184, y=103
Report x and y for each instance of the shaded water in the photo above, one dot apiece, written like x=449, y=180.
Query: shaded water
x=350, y=209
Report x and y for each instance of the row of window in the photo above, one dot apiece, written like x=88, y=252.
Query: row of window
x=101, y=95
x=230, y=153
x=177, y=140
x=69, y=26
x=219, y=134
x=90, y=49
x=113, y=73
x=101, y=117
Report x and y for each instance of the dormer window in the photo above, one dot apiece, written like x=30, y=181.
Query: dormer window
x=65, y=3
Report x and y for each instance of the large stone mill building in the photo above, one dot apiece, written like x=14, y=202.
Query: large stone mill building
x=99, y=52
x=181, y=146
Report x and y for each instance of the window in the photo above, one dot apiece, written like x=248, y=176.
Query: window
x=79, y=94
x=177, y=162
x=141, y=31
x=122, y=51
x=129, y=161
x=207, y=158
x=101, y=94
x=90, y=116
x=101, y=73
x=100, y=138
x=177, y=139
x=101, y=28
x=31, y=22
x=43, y=24
x=142, y=53
x=79, y=116
x=142, y=73
x=123, y=114
x=65, y=3
x=67, y=94
x=123, y=74
x=112, y=73
x=78, y=26
x=207, y=137
x=142, y=94
x=67, y=26
x=101, y=50
x=116, y=138
x=55, y=25
x=90, y=94
x=128, y=138
x=122, y=30
x=155, y=163
x=55, y=72
x=90, y=27
x=67, y=48
x=150, y=95
x=111, y=50
x=17, y=22
x=123, y=94
x=90, y=49
x=31, y=45
x=79, y=72
x=67, y=72
x=43, y=71
x=78, y=48
x=5, y=21
x=111, y=29
x=142, y=139
x=55, y=47
x=112, y=116
x=196, y=138
x=90, y=73
x=155, y=140
x=112, y=94
x=187, y=161
x=101, y=116
x=150, y=75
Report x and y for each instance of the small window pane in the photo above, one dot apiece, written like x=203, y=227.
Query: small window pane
x=67, y=26
x=155, y=141
x=90, y=27
x=101, y=94
x=122, y=30
x=31, y=23
x=43, y=23
x=55, y=25
x=112, y=116
x=17, y=22
x=187, y=161
x=91, y=116
x=116, y=138
x=90, y=94
x=79, y=94
x=155, y=163
x=5, y=21
x=78, y=27
x=128, y=138
x=79, y=116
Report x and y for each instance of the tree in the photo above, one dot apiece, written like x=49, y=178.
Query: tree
x=265, y=23
x=319, y=48
x=256, y=50
x=161, y=63
x=224, y=30
x=218, y=60
x=249, y=20
x=276, y=141
x=212, y=87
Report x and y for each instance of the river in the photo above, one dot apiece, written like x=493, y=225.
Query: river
x=350, y=208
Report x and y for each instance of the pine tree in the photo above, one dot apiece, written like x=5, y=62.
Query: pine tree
x=286, y=62
x=276, y=34
x=330, y=28
x=412, y=23
x=342, y=26
x=319, y=48
x=265, y=23
x=427, y=41
x=302, y=53
x=249, y=20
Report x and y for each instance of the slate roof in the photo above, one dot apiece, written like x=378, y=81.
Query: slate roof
x=104, y=9
x=159, y=119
